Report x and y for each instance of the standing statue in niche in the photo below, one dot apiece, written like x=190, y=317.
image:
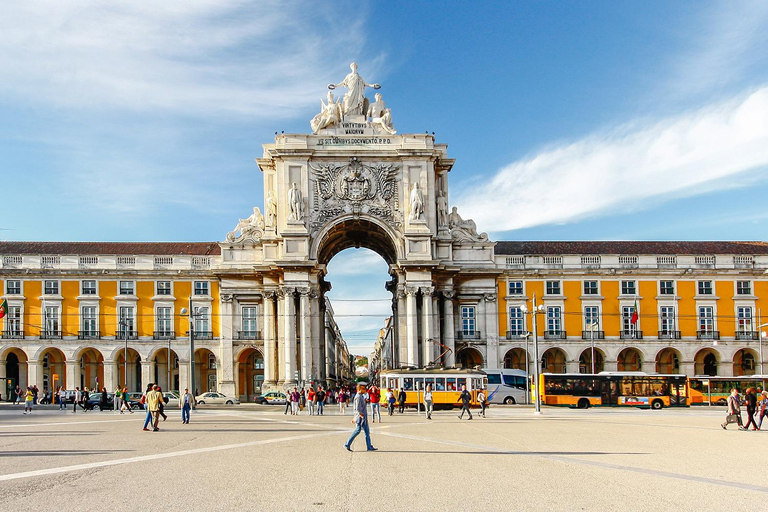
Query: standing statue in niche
x=295, y=203
x=271, y=209
x=442, y=210
x=330, y=114
x=354, y=99
x=417, y=202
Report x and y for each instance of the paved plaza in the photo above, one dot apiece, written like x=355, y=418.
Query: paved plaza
x=254, y=457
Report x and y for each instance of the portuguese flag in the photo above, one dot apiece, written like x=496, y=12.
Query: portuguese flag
x=635, y=314
x=3, y=308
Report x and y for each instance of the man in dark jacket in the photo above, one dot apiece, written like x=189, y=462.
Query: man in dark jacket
x=466, y=398
x=401, y=400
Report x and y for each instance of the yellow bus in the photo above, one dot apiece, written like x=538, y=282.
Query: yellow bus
x=708, y=390
x=446, y=385
x=620, y=389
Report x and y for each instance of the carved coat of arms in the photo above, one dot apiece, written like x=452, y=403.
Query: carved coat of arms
x=355, y=188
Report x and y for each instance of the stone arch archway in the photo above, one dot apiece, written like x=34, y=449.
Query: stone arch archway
x=206, y=365
x=15, y=371
x=585, y=361
x=53, y=362
x=162, y=359
x=90, y=369
x=706, y=362
x=629, y=360
x=668, y=361
x=745, y=362
x=515, y=359
x=132, y=369
x=554, y=360
x=250, y=373
x=350, y=231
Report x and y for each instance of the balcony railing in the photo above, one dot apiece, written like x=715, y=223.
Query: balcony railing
x=516, y=335
x=202, y=335
x=249, y=335
x=50, y=335
x=12, y=334
x=468, y=335
x=631, y=335
x=707, y=335
x=165, y=335
x=129, y=335
x=88, y=335
x=588, y=335
x=747, y=335
x=669, y=335
x=555, y=335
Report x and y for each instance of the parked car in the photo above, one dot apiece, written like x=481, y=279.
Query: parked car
x=271, y=398
x=94, y=402
x=213, y=397
x=171, y=398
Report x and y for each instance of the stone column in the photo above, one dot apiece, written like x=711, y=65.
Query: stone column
x=73, y=373
x=411, y=325
x=306, y=344
x=449, y=329
x=402, y=329
x=183, y=375
x=110, y=375
x=427, y=325
x=280, y=338
x=224, y=377
x=290, y=337
x=492, y=332
x=270, y=345
x=436, y=348
x=570, y=366
x=148, y=371
x=34, y=375
x=241, y=393
x=318, y=358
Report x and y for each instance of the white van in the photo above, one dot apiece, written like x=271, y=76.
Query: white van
x=506, y=386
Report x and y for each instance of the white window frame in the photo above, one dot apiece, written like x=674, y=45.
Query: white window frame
x=7, y=290
x=661, y=287
x=45, y=286
x=160, y=319
x=634, y=287
x=95, y=287
x=131, y=319
x=51, y=324
x=559, y=287
x=667, y=321
x=93, y=330
x=207, y=289
x=519, y=319
x=509, y=288
x=706, y=323
x=596, y=289
x=555, y=317
x=120, y=288
x=750, y=291
x=590, y=313
x=699, y=288
x=12, y=324
x=203, y=319
x=742, y=322
x=254, y=319
x=170, y=289
x=468, y=315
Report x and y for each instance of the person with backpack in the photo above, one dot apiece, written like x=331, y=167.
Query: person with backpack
x=466, y=399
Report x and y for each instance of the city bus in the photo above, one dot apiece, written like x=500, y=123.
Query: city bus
x=506, y=386
x=619, y=389
x=708, y=390
x=446, y=385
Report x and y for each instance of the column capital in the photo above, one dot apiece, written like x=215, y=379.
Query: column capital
x=411, y=290
x=427, y=291
x=287, y=290
x=489, y=297
x=303, y=291
x=226, y=297
x=449, y=294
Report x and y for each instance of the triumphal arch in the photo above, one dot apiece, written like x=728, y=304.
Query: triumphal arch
x=354, y=181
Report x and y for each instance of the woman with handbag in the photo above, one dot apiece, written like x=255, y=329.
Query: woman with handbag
x=734, y=410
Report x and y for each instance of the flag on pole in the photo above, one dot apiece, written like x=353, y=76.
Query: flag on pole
x=635, y=315
x=3, y=308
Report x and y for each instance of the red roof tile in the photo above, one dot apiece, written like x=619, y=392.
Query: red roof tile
x=142, y=248
x=629, y=247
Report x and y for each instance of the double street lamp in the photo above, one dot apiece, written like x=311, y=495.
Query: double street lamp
x=594, y=324
x=536, y=310
x=192, y=315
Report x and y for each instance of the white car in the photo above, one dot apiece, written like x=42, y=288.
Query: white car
x=172, y=398
x=213, y=397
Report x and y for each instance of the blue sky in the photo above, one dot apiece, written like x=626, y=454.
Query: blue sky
x=578, y=120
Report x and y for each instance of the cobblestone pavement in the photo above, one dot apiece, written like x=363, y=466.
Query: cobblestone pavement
x=254, y=457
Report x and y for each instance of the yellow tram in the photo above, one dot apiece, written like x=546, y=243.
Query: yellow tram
x=446, y=385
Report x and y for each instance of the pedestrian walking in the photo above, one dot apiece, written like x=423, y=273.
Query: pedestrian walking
x=62, y=398
x=762, y=409
x=295, y=401
x=185, y=403
x=734, y=410
x=18, y=392
x=311, y=401
x=154, y=399
x=466, y=400
x=287, y=402
x=342, y=401
x=161, y=411
x=148, y=415
x=482, y=401
x=428, y=403
x=320, y=396
x=76, y=399
x=84, y=396
x=401, y=398
x=360, y=420
x=302, y=399
x=35, y=391
x=751, y=400
x=118, y=400
x=374, y=395
x=390, y=401
x=29, y=400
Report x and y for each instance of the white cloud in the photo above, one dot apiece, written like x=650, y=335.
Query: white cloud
x=204, y=57
x=618, y=170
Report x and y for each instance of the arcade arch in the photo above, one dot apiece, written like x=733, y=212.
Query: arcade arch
x=206, y=365
x=90, y=370
x=745, y=362
x=553, y=360
x=250, y=373
x=515, y=359
x=132, y=369
x=706, y=362
x=668, y=361
x=585, y=361
x=166, y=373
x=629, y=360
x=53, y=362
x=15, y=371
x=469, y=357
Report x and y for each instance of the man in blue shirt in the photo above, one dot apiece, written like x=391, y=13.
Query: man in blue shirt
x=361, y=419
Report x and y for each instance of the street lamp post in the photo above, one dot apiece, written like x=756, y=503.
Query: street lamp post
x=192, y=316
x=535, y=311
x=592, y=326
x=124, y=324
x=760, y=336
